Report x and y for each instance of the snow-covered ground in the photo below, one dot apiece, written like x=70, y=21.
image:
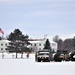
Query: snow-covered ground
x=11, y=66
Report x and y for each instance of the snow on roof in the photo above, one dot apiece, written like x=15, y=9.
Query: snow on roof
x=34, y=41
x=41, y=41
x=52, y=42
x=5, y=41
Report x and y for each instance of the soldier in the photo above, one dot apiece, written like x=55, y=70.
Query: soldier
x=2, y=55
x=13, y=56
x=36, y=56
x=27, y=55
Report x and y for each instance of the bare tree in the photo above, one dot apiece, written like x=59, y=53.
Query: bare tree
x=56, y=38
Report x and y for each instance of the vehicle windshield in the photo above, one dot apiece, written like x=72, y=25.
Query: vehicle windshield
x=43, y=53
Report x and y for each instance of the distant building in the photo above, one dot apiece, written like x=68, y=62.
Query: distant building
x=40, y=43
x=37, y=44
x=3, y=45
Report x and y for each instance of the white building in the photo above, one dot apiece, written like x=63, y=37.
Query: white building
x=34, y=46
x=39, y=45
x=3, y=45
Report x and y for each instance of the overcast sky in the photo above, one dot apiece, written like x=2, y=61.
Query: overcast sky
x=38, y=17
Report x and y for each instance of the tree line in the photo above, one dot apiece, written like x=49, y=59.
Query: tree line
x=68, y=44
x=19, y=42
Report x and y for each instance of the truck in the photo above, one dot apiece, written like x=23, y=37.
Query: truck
x=61, y=55
x=42, y=56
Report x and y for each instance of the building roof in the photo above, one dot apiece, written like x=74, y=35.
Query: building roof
x=5, y=41
x=34, y=41
x=41, y=41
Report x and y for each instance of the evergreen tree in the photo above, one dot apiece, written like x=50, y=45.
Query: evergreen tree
x=47, y=45
x=18, y=42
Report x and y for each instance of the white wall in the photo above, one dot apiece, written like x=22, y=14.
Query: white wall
x=3, y=45
x=40, y=47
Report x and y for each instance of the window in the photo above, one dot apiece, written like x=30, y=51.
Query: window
x=1, y=44
x=35, y=44
x=6, y=44
x=1, y=48
x=31, y=44
x=39, y=44
x=6, y=49
x=39, y=48
x=43, y=44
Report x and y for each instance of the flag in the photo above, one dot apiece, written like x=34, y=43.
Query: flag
x=1, y=31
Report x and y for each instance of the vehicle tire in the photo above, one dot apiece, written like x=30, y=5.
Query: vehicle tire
x=38, y=60
x=48, y=61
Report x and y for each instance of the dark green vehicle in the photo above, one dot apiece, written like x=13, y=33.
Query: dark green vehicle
x=43, y=55
x=61, y=55
x=72, y=56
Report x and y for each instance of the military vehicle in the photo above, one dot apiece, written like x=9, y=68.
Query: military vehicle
x=58, y=57
x=72, y=56
x=61, y=55
x=42, y=55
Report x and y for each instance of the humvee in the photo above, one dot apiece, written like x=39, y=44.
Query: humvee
x=43, y=55
x=61, y=55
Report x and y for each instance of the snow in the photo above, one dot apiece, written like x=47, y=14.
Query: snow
x=13, y=66
x=34, y=41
